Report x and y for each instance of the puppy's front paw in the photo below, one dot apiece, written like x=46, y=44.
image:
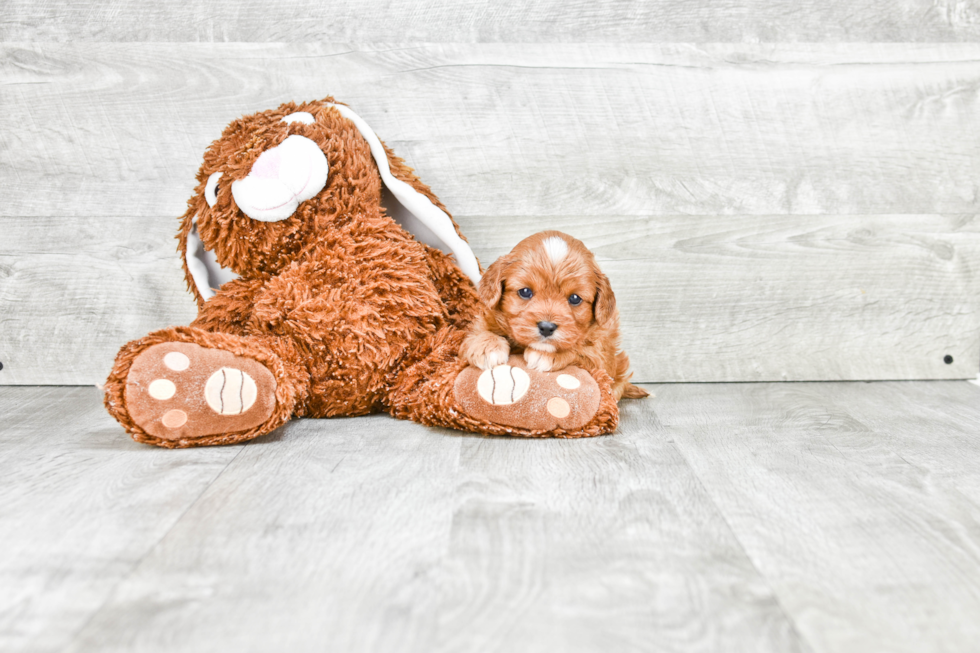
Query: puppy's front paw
x=486, y=350
x=541, y=361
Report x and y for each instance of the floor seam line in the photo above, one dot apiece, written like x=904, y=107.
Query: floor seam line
x=741, y=545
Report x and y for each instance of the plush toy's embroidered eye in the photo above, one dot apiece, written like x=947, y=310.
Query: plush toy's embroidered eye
x=574, y=300
x=525, y=293
x=211, y=189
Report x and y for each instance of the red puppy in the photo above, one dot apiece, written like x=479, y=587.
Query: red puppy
x=548, y=298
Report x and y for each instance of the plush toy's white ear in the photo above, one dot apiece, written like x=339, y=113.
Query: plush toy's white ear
x=203, y=264
x=413, y=210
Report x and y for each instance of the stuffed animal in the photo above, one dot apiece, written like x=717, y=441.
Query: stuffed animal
x=329, y=281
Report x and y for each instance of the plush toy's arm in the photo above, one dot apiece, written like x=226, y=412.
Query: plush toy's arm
x=230, y=309
x=456, y=290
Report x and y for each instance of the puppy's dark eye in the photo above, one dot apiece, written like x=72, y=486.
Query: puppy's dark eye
x=525, y=293
x=574, y=300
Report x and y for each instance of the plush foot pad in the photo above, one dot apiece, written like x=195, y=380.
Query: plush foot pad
x=179, y=390
x=512, y=395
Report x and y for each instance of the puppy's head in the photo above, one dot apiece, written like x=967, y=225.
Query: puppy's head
x=548, y=293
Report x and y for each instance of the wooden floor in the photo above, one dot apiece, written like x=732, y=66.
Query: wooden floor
x=721, y=517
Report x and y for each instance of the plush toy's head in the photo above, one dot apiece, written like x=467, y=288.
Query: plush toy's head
x=274, y=180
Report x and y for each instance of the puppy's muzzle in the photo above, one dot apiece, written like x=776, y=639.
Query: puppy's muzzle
x=547, y=328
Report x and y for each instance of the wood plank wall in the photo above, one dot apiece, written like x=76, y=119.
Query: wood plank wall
x=777, y=190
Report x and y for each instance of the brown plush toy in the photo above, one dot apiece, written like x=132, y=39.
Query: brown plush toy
x=329, y=281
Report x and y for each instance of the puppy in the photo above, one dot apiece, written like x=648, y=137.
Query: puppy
x=549, y=299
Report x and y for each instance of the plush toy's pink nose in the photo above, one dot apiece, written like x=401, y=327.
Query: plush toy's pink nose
x=267, y=165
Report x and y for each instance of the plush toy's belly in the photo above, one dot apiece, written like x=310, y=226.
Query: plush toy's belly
x=355, y=377
x=328, y=400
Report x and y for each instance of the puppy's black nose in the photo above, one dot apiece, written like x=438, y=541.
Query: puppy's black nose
x=547, y=328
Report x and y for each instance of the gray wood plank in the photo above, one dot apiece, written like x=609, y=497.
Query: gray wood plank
x=76, y=290
x=370, y=534
x=324, y=536
x=636, y=143
x=80, y=506
x=702, y=298
x=906, y=428
x=506, y=20
x=119, y=129
x=865, y=550
x=608, y=544
x=856, y=503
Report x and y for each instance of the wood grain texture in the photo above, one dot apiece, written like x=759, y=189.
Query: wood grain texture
x=866, y=549
x=542, y=130
x=324, y=537
x=832, y=517
x=702, y=298
x=782, y=298
x=373, y=535
x=915, y=410
x=674, y=161
x=597, y=545
x=479, y=20
x=75, y=290
x=80, y=506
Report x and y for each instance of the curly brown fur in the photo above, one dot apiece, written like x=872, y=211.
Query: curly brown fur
x=348, y=312
x=550, y=281
x=322, y=278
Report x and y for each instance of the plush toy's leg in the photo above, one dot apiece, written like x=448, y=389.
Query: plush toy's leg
x=508, y=400
x=185, y=387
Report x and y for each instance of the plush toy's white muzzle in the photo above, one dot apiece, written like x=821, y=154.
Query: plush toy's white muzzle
x=281, y=178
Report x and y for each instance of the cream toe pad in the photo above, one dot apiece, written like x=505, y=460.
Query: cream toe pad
x=503, y=385
x=230, y=391
x=559, y=407
x=568, y=381
x=162, y=389
x=174, y=419
x=176, y=361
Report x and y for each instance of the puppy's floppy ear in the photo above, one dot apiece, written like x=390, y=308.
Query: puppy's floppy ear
x=492, y=282
x=605, y=301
